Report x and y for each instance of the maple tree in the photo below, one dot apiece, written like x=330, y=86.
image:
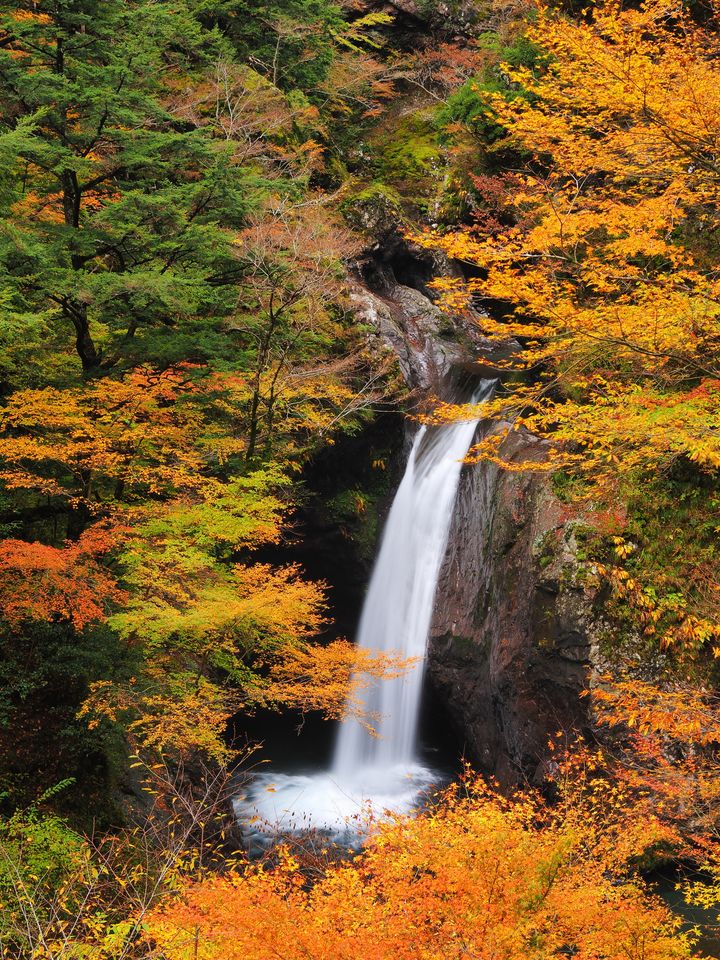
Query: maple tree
x=113, y=441
x=602, y=257
x=292, y=285
x=596, y=255
x=47, y=583
x=144, y=474
x=142, y=456
x=475, y=876
x=665, y=739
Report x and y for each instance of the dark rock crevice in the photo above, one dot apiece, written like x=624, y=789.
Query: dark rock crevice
x=418, y=22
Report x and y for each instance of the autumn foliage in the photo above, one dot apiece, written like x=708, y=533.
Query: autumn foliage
x=602, y=265
x=477, y=876
x=665, y=749
x=67, y=583
x=597, y=255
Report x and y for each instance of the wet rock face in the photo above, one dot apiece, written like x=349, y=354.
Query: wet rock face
x=511, y=639
x=414, y=18
x=437, y=353
x=411, y=325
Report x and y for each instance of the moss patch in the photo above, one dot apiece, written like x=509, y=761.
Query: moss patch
x=376, y=208
x=356, y=510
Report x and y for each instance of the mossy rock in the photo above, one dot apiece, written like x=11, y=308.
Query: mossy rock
x=408, y=155
x=376, y=209
x=356, y=510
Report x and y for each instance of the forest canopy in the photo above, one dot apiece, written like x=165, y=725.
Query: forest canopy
x=207, y=209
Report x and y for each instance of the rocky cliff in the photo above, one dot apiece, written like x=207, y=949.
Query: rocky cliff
x=514, y=627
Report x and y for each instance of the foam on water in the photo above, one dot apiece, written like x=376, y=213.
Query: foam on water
x=277, y=803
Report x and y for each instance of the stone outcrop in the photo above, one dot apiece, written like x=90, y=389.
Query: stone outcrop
x=514, y=629
x=411, y=325
x=414, y=18
x=437, y=353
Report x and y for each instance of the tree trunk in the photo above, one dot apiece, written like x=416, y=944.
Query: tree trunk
x=253, y=432
x=87, y=351
x=260, y=365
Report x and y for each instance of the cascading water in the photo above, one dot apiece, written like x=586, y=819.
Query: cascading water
x=374, y=773
x=399, y=604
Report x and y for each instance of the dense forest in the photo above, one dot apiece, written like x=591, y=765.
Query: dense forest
x=250, y=249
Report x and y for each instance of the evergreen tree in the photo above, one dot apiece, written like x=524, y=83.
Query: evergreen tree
x=289, y=41
x=118, y=209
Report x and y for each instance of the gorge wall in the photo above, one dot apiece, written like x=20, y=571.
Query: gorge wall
x=512, y=637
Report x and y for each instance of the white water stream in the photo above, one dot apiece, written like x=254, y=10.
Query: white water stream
x=372, y=775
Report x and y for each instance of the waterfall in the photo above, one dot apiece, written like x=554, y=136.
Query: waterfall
x=373, y=773
x=399, y=604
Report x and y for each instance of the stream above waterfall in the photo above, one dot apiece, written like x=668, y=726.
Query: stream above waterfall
x=379, y=771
